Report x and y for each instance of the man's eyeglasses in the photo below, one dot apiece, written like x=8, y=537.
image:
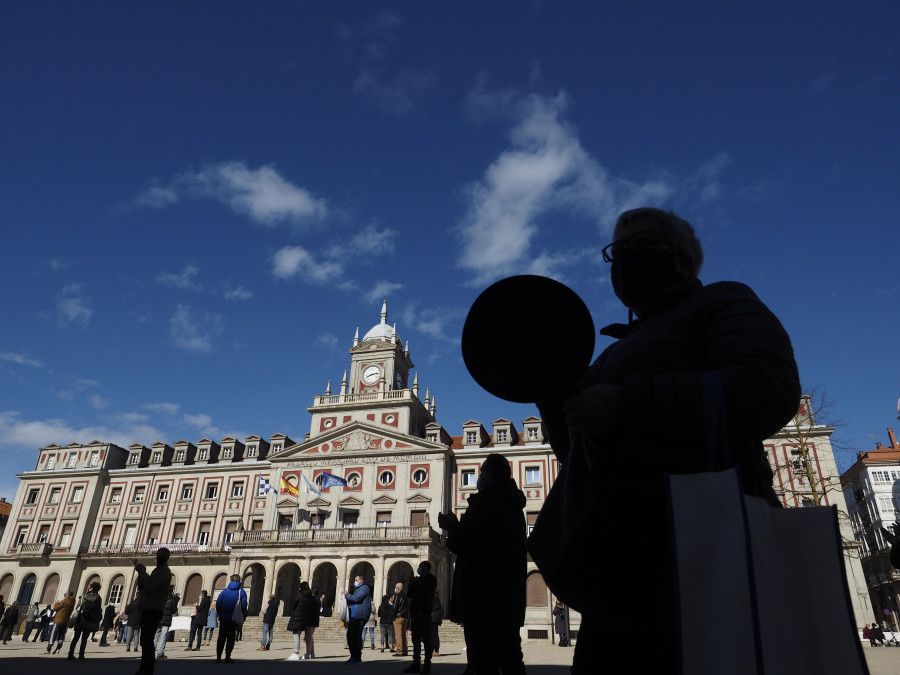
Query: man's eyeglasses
x=637, y=242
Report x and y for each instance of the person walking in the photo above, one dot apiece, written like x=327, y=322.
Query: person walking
x=359, y=606
x=62, y=612
x=212, y=622
x=131, y=623
x=109, y=621
x=9, y=621
x=199, y=621
x=268, y=622
x=303, y=612
x=155, y=591
x=44, y=628
x=231, y=607
x=400, y=618
x=385, y=617
x=421, y=603
x=32, y=616
x=162, y=631
x=89, y=616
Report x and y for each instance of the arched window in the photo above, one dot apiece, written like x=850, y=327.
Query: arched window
x=51, y=587
x=536, y=590
x=192, y=590
x=27, y=590
x=6, y=585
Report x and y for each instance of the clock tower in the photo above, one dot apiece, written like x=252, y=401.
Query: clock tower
x=379, y=362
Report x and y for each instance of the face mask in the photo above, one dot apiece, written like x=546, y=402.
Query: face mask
x=638, y=276
x=479, y=484
x=419, y=571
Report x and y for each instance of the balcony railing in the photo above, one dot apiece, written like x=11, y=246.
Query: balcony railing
x=34, y=550
x=389, y=395
x=250, y=538
x=134, y=550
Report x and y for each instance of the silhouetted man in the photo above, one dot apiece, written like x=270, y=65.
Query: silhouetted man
x=421, y=604
x=155, y=588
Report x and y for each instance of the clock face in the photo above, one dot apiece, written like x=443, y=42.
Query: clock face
x=371, y=374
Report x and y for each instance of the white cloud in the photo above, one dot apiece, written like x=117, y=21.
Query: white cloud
x=370, y=241
x=162, y=407
x=293, y=261
x=184, y=280
x=98, y=402
x=262, y=194
x=72, y=307
x=381, y=290
x=545, y=168
x=19, y=433
x=195, y=331
x=20, y=358
x=239, y=293
x=439, y=323
x=203, y=423
x=327, y=340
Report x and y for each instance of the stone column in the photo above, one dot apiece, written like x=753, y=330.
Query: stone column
x=379, y=581
x=270, y=577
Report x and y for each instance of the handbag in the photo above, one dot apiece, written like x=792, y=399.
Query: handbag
x=759, y=589
x=237, y=615
x=563, y=536
x=343, y=609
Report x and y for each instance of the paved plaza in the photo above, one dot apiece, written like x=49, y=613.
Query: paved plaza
x=540, y=659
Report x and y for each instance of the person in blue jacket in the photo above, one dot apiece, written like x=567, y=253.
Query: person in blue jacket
x=359, y=606
x=230, y=617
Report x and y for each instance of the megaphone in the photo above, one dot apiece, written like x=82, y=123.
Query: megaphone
x=527, y=338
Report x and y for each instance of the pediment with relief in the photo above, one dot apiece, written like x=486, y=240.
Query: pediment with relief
x=356, y=437
x=418, y=499
x=350, y=501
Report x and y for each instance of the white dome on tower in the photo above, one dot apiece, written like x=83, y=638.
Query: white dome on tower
x=382, y=331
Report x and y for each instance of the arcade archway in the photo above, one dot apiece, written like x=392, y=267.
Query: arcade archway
x=255, y=579
x=399, y=572
x=286, y=584
x=324, y=582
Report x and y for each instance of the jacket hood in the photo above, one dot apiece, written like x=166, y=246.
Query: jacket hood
x=234, y=585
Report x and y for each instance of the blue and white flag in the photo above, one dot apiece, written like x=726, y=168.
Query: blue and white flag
x=307, y=486
x=329, y=480
x=265, y=487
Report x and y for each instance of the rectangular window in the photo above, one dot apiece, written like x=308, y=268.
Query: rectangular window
x=153, y=534
x=157, y=457
x=227, y=452
x=179, y=456
x=417, y=518
x=33, y=495
x=162, y=494
x=212, y=491
x=532, y=434
x=230, y=529
x=51, y=462
x=116, y=591
x=204, y=453
x=65, y=538
x=276, y=448
x=178, y=533
x=95, y=459
x=256, y=524
x=251, y=451
x=44, y=534
x=71, y=460
x=130, y=533
x=21, y=533
x=502, y=436
x=530, y=520
x=285, y=521
x=115, y=495
x=55, y=494
x=78, y=494
x=383, y=519
x=135, y=458
x=237, y=489
x=139, y=492
x=316, y=521
x=203, y=534
x=471, y=437
x=105, y=535
x=350, y=519
x=532, y=475
x=187, y=492
x=467, y=478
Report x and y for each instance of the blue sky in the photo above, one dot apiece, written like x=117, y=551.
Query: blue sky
x=202, y=201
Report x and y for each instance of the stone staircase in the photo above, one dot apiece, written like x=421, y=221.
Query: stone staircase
x=329, y=630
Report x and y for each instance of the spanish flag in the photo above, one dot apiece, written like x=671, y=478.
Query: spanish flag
x=287, y=488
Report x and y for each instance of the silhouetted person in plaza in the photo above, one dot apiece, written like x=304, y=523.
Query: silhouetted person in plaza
x=231, y=608
x=359, y=604
x=9, y=621
x=488, y=595
x=638, y=413
x=199, y=621
x=400, y=614
x=155, y=590
x=90, y=614
x=421, y=603
x=62, y=612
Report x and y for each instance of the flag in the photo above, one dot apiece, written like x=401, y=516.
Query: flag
x=265, y=487
x=306, y=486
x=287, y=488
x=329, y=480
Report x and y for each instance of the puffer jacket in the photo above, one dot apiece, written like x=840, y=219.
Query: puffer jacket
x=301, y=612
x=490, y=544
x=170, y=610
x=91, y=612
x=63, y=610
x=228, y=599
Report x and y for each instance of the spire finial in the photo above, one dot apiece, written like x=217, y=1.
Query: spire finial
x=356, y=337
x=384, y=312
